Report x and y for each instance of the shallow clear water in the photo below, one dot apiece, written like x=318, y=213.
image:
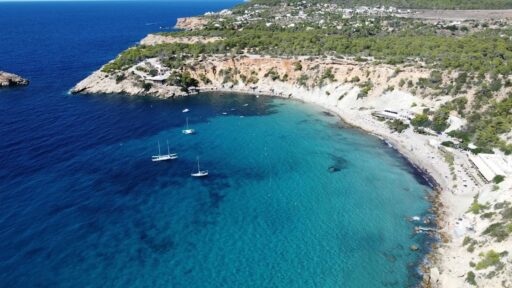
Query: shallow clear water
x=82, y=204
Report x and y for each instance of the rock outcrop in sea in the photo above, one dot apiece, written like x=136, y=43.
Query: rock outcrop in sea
x=11, y=80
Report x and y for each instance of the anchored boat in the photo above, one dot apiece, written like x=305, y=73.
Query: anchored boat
x=165, y=157
x=188, y=130
x=199, y=173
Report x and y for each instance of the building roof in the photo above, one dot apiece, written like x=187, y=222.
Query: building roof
x=491, y=165
x=482, y=167
x=157, y=78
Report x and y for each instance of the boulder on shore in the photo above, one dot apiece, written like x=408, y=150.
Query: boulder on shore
x=11, y=80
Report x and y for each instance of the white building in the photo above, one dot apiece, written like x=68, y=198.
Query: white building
x=491, y=165
x=405, y=116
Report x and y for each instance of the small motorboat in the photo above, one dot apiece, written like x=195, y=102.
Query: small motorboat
x=185, y=110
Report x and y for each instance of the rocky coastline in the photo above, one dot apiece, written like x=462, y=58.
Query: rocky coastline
x=341, y=86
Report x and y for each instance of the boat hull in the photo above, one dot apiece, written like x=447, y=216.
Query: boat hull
x=164, y=157
x=200, y=174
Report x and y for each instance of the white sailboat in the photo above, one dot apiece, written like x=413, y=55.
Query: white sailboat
x=199, y=173
x=188, y=130
x=165, y=157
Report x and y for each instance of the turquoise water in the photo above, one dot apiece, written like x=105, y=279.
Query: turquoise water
x=294, y=198
x=271, y=214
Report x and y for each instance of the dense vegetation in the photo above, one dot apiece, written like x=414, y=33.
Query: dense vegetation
x=485, y=52
x=484, y=128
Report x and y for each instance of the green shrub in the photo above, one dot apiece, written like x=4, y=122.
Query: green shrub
x=507, y=213
x=487, y=215
x=491, y=258
x=146, y=86
x=303, y=80
x=436, y=78
x=448, y=144
x=440, y=121
x=420, y=120
x=397, y=125
x=498, y=179
x=120, y=77
x=297, y=66
x=470, y=278
x=476, y=207
x=204, y=79
x=183, y=80
x=327, y=75
x=272, y=73
x=390, y=88
x=467, y=240
x=366, y=87
x=499, y=230
x=153, y=72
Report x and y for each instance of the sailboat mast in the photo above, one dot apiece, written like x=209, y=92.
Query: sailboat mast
x=198, y=169
x=159, y=148
x=168, y=152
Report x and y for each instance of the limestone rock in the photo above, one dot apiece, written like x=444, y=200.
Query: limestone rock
x=191, y=23
x=11, y=80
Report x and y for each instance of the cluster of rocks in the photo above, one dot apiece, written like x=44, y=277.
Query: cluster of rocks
x=11, y=80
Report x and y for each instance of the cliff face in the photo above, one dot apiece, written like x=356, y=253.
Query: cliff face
x=11, y=80
x=263, y=75
x=258, y=74
x=191, y=23
x=155, y=39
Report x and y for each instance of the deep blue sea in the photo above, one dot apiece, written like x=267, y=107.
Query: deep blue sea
x=294, y=198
